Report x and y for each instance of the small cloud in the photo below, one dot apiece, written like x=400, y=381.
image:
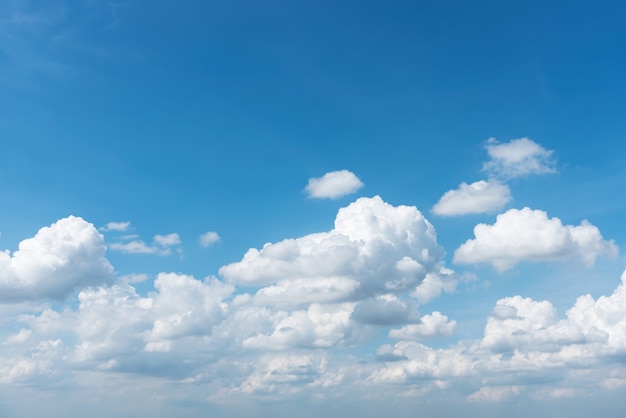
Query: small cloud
x=167, y=240
x=209, y=238
x=479, y=197
x=518, y=158
x=333, y=185
x=116, y=226
x=133, y=247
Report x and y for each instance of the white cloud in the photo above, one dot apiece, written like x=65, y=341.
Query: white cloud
x=333, y=185
x=116, y=226
x=209, y=238
x=530, y=235
x=518, y=158
x=382, y=248
x=429, y=326
x=133, y=247
x=478, y=197
x=160, y=246
x=167, y=240
x=67, y=255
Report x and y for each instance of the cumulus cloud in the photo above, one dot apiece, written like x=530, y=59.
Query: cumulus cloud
x=525, y=344
x=429, y=326
x=208, y=238
x=60, y=258
x=374, y=248
x=526, y=234
x=116, y=226
x=518, y=158
x=333, y=185
x=478, y=197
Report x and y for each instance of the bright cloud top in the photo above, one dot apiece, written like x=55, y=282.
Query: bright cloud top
x=60, y=258
x=333, y=185
x=478, y=197
x=374, y=248
x=518, y=158
x=528, y=234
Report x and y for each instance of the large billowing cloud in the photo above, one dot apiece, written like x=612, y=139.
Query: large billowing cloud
x=67, y=255
x=518, y=158
x=333, y=185
x=374, y=248
x=478, y=197
x=526, y=234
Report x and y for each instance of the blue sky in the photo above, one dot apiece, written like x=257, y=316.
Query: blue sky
x=255, y=208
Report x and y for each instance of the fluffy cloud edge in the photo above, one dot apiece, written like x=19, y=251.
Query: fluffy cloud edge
x=529, y=235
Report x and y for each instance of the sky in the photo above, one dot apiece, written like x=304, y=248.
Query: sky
x=280, y=208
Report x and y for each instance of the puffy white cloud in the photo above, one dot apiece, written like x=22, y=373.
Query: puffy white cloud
x=320, y=326
x=429, y=326
x=518, y=158
x=375, y=248
x=530, y=235
x=526, y=346
x=333, y=185
x=116, y=226
x=478, y=197
x=67, y=255
x=208, y=238
x=118, y=329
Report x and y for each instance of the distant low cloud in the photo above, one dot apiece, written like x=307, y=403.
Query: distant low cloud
x=428, y=326
x=518, y=158
x=167, y=240
x=162, y=245
x=116, y=226
x=333, y=185
x=209, y=238
x=133, y=247
x=60, y=258
x=478, y=197
x=528, y=234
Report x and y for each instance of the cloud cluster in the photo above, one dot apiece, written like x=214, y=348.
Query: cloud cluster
x=516, y=158
x=300, y=316
x=525, y=342
x=333, y=185
x=526, y=234
x=60, y=258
